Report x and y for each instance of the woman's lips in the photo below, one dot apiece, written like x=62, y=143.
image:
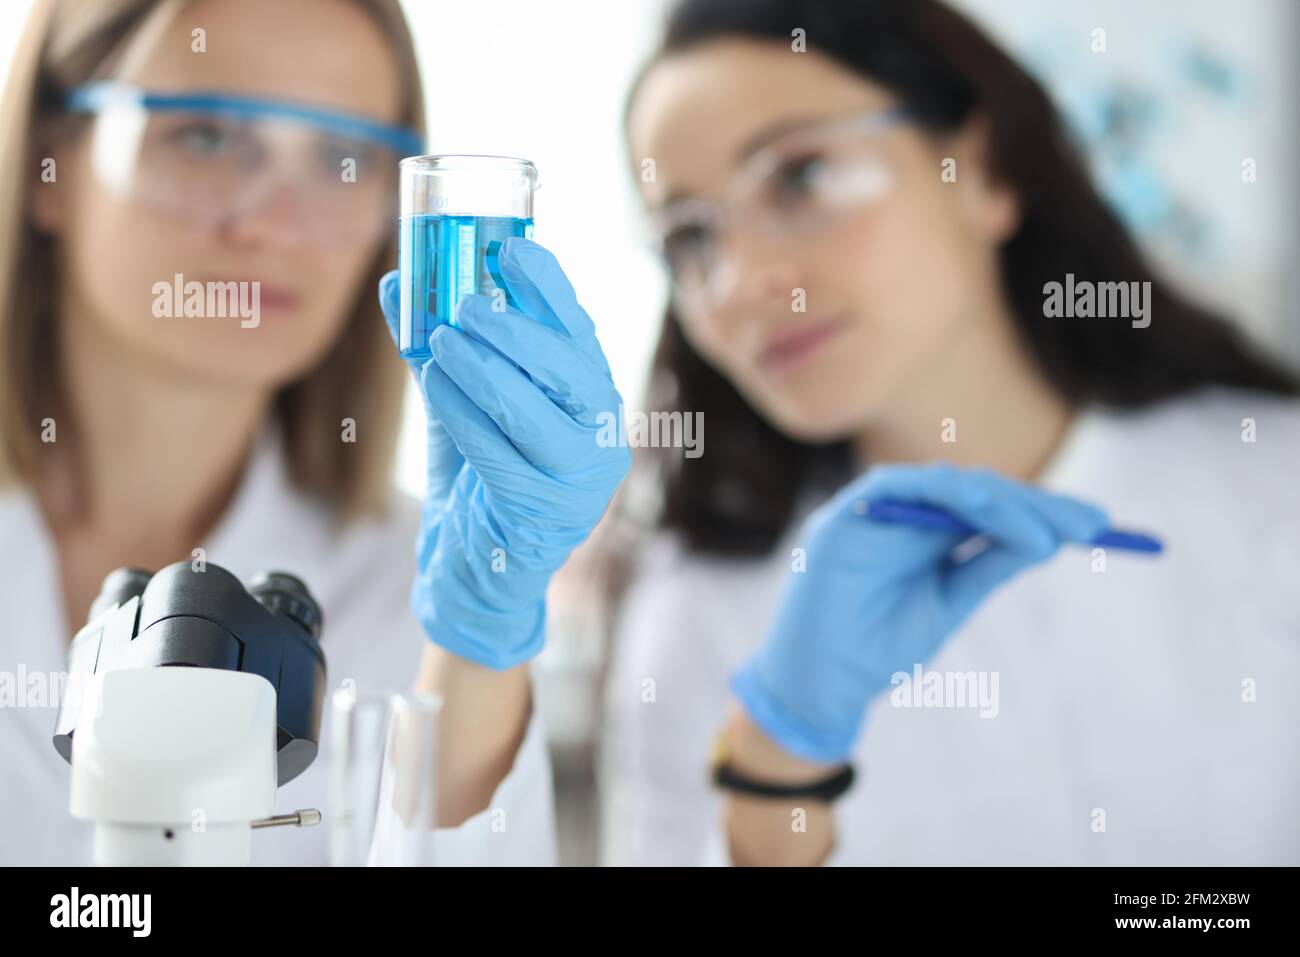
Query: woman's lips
x=273, y=299
x=277, y=297
x=790, y=348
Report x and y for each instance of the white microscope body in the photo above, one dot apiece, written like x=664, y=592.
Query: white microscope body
x=190, y=700
x=172, y=765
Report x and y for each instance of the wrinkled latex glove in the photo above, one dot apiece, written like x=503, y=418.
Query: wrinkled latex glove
x=517, y=472
x=877, y=598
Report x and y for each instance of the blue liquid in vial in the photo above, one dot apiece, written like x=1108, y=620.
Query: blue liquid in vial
x=442, y=259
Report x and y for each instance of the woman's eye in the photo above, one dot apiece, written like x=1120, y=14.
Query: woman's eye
x=797, y=178
x=686, y=243
x=339, y=156
x=203, y=139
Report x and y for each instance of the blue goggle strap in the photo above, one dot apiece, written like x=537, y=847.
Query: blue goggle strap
x=96, y=97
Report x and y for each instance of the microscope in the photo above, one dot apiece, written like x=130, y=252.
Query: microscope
x=189, y=700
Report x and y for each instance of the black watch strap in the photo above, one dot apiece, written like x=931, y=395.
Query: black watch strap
x=826, y=789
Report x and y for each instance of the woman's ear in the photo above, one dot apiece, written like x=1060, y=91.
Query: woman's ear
x=990, y=204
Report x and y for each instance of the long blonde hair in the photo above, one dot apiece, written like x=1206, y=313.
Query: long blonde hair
x=69, y=42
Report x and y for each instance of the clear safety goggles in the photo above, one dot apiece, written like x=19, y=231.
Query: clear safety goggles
x=790, y=191
x=211, y=158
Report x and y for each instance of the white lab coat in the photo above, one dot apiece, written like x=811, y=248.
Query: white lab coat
x=1148, y=713
x=362, y=580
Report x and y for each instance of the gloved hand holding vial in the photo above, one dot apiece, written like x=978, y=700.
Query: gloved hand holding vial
x=456, y=211
x=514, y=385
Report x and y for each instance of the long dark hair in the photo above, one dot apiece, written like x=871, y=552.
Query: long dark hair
x=740, y=497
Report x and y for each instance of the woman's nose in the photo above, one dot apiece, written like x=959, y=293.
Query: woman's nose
x=277, y=211
x=763, y=268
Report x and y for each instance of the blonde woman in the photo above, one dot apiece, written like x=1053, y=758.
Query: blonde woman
x=128, y=437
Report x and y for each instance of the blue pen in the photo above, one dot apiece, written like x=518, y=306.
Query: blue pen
x=927, y=516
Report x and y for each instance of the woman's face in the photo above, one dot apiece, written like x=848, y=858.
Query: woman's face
x=327, y=53
x=822, y=332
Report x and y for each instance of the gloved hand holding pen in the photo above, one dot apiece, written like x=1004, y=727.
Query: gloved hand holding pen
x=878, y=598
x=517, y=476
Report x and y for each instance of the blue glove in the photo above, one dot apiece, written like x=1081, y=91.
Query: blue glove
x=518, y=476
x=876, y=598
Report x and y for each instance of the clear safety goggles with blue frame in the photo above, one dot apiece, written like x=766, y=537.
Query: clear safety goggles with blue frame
x=210, y=158
x=790, y=191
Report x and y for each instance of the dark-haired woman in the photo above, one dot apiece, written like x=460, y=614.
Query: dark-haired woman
x=862, y=234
